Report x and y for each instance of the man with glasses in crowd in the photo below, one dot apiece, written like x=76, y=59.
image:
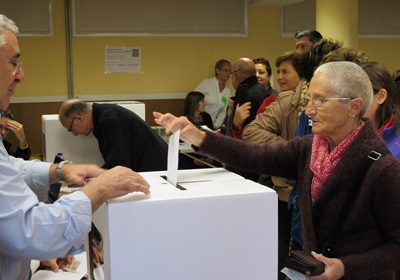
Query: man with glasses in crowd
x=123, y=137
x=306, y=39
x=245, y=82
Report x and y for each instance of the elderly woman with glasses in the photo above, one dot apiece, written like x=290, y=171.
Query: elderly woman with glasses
x=326, y=166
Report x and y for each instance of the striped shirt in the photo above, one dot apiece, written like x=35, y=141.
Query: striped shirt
x=30, y=229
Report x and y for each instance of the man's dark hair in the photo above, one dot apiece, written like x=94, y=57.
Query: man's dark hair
x=313, y=35
x=311, y=60
x=396, y=75
x=7, y=114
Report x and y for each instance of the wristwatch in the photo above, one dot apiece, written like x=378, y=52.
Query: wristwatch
x=58, y=171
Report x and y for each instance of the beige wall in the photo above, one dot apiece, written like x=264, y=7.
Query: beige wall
x=169, y=64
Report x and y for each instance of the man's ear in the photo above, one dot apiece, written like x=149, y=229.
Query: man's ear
x=381, y=95
x=78, y=118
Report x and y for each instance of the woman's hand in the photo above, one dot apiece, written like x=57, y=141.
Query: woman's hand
x=334, y=268
x=189, y=133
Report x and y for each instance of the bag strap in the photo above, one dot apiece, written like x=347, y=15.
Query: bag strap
x=329, y=247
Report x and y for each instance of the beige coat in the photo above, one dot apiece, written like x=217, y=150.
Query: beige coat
x=277, y=124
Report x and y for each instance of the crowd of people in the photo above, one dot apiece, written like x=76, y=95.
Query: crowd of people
x=324, y=165
x=325, y=93
x=307, y=141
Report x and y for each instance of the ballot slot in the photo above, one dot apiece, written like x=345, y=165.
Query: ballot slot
x=186, y=182
x=177, y=185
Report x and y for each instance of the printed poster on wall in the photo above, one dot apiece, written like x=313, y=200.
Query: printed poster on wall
x=123, y=60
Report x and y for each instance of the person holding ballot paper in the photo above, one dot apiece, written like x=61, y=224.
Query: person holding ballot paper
x=327, y=166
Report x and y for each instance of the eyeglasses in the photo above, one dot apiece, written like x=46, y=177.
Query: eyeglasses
x=72, y=123
x=225, y=70
x=17, y=64
x=302, y=46
x=320, y=101
x=237, y=70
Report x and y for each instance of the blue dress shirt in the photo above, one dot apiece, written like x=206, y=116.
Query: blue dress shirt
x=30, y=229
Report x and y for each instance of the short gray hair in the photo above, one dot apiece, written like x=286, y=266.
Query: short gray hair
x=6, y=23
x=76, y=107
x=348, y=79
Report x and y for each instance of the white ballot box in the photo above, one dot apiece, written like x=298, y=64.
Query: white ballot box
x=213, y=225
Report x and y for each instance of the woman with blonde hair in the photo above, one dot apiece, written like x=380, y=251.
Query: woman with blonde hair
x=217, y=92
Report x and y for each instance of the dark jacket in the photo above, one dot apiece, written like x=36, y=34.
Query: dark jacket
x=369, y=244
x=18, y=153
x=255, y=93
x=125, y=139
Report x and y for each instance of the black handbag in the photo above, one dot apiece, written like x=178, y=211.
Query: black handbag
x=304, y=262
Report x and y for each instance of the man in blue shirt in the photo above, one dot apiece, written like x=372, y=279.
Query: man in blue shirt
x=33, y=230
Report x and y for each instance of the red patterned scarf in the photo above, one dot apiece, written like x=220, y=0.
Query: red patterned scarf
x=323, y=162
